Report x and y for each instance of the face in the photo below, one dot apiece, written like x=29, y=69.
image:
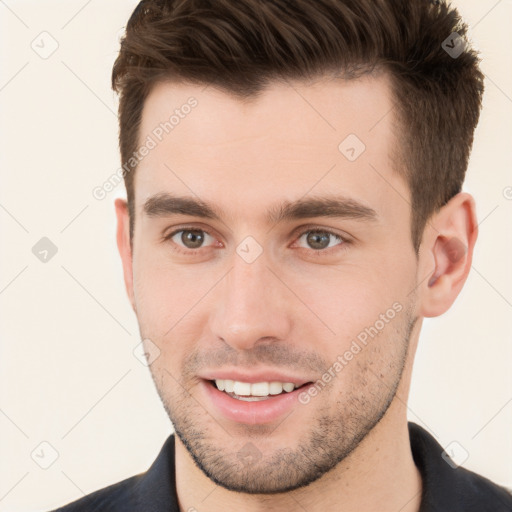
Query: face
x=272, y=259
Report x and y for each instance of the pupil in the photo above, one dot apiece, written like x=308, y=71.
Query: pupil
x=192, y=239
x=318, y=241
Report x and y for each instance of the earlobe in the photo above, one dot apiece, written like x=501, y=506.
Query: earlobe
x=451, y=237
x=124, y=246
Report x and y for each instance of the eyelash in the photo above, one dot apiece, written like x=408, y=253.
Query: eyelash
x=317, y=229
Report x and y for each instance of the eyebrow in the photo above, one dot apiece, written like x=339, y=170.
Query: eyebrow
x=165, y=205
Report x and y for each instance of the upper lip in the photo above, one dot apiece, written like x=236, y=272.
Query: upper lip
x=252, y=377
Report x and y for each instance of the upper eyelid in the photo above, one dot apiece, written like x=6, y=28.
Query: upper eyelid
x=173, y=231
x=304, y=230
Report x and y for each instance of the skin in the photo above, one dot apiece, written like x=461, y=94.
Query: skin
x=295, y=308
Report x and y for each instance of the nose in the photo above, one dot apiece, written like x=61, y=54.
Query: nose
x=251, y=307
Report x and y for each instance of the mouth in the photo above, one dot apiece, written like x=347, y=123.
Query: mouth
x=254, y=398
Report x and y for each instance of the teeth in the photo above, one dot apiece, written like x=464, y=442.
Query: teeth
x=288, y=386
x=242, y=388
x=256, y=389
x=275, y=388
x=260, y=389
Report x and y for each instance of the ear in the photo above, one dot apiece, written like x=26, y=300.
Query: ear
x=446, y=253
x=124, y=247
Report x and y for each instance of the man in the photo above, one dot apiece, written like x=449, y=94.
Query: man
x=294, y=210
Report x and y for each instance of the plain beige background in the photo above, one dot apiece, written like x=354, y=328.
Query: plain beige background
x=68, y=373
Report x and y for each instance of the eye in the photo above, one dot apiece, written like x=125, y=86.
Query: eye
x=320, y=239
x=190, y=238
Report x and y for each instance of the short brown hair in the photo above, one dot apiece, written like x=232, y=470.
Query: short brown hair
x=242, y=45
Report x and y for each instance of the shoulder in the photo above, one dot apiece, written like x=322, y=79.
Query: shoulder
x=150, y=491
x=476, y=492
x=447, y=486
x=121, y=496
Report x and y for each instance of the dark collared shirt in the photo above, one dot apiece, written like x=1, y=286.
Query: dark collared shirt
x=445, y=488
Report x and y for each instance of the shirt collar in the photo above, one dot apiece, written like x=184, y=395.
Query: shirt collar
x=438, y=477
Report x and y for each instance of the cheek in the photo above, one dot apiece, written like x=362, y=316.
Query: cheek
x=172, y=304
x=353, y=303
x=162, y=318
x=161, y=292
x=352, y=296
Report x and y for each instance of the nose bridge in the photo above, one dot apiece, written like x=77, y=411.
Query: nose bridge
x=250, y=305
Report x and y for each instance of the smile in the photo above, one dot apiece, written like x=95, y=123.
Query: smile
x=256, y=391
x=252, y=402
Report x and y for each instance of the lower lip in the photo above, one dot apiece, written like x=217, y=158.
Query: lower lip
x=251, y=413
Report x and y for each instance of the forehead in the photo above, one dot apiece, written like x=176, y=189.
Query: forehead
x=291, y=138
x=321, y=111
